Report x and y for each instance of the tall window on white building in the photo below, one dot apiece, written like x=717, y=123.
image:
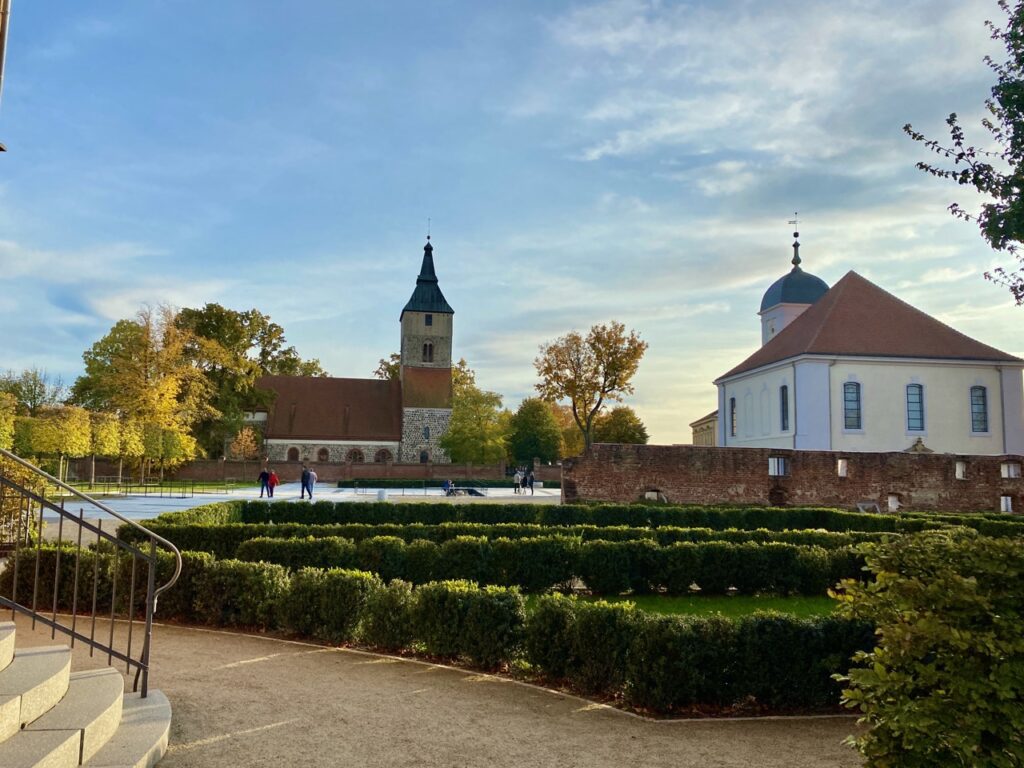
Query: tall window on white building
x=851, y=406
x=732, y=417
x=784, y=408
x=979, y=409
x=915, y=408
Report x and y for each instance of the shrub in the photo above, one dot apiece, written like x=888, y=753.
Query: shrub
x=493, y=628
x=601, y=639
x=327, y=552
x=439, y=614
x=549, y=635
x=383, y=555
x=242, y=594
x=388, y=617
x=464, y=557
x=681, y=661
x=421, y=561
x=944, y=684
x=328, y=604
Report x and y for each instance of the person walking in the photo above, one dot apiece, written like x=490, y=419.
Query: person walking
x=529, y=481
x=312, y=482
x=272, y=482
x=516, y=480
x=304, y=479
x=264, y=480
x=522, y=482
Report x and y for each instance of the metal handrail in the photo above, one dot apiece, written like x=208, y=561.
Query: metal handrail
x=27, y=499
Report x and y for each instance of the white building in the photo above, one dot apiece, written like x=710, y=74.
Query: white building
x=853, y=368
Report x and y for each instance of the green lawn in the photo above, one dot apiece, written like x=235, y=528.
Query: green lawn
x=804, y=607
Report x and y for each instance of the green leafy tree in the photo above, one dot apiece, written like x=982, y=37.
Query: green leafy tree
x=8, y=412
x=34, y=390
x=62, y=432
x=588, y=372
x=478, y=429
x=106, y=439
x=389, y=369
x=944, y=685
x=620, y=425
x=534, y=433
x=572, y=438
x=233, y=349
x=997, y=174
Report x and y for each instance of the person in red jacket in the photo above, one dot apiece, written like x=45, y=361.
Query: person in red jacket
x=273, y=482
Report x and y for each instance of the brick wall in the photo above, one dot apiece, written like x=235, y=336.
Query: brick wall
x=687, y=474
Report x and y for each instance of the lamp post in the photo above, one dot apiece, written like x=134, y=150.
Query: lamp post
x=5, y=15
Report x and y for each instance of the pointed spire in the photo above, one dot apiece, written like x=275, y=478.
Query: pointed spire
x=427, y=273
x=796, y=250
x=427, y=296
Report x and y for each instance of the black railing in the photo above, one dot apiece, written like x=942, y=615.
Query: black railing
x=24, y=505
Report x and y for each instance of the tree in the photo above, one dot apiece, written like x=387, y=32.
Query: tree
x=141, y=370
x=944, y=684
x=572, y=438
x=106, y=439
x=245, y=446
x=233, y=349
x=534, y=433
x=589, y=371
x=477, y=431
x=64, y=432
x=390, y=369
x=8, y=412
x=33, y=390
x=620, y=425
x=996, y=174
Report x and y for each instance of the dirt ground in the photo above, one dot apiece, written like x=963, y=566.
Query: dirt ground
x=256, y=701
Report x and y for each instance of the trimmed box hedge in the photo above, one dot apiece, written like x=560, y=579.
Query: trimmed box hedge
x=660, y=664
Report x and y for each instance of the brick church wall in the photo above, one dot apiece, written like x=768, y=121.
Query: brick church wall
x=686, y=474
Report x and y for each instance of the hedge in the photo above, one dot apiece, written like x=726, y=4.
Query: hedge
x=662, y=664
x=397, y=482
x=633, y=515
x=225, y=539
x=606, y=567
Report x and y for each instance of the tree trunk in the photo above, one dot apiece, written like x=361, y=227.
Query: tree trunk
x=120, y=469
x=92, y=472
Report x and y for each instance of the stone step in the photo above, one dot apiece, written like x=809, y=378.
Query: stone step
x=92, y=706
x=38, y=678
x=41, y=749
x=6, y=643
x=141, y=739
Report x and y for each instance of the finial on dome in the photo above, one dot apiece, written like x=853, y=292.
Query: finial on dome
x=796, y=242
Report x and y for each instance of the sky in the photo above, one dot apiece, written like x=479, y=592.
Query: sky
x=633, y=160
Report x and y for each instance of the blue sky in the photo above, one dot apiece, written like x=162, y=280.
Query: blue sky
x=580, y=162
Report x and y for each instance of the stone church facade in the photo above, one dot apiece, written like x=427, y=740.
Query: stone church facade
x=332, y=420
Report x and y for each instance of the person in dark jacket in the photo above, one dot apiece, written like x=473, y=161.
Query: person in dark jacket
x=305, y=483
x=265, y=483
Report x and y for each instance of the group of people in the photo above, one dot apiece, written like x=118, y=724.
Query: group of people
x=269, y=480
x=523, y=479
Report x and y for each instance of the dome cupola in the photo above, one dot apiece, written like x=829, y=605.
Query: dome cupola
x=789, y=296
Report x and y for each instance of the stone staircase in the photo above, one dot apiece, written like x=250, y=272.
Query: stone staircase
x=51, y=717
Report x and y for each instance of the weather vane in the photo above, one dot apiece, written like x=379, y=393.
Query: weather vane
x=428, y=228
x=795, y=221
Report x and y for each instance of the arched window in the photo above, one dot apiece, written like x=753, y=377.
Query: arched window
x=355, y=456
x=784, y=408
x=979, y=409
x=428, y=352
x=915, y=408
x=383, y=456
x=426, y=433
x=424, y=457
x=732, y=417
x=323, y=455
x=851, y=406
x=293, y=454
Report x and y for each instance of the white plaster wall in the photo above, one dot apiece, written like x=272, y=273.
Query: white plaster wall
x=758, y=410
x=774, y=319
x=947, y=406
x=1013, y=410
x=812, y=405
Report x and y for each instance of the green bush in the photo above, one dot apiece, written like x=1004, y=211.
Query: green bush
x=602, y=636
x=464, y=557
x=421, y=561
x=327, y=552
x=493, y=628
x=945, y=683
x=242, y=594
x=388, y=617
x=439, y=615
x=534, y=565
x=549, y=635
x=383, y=555
x=328, y=604
x=682, y=661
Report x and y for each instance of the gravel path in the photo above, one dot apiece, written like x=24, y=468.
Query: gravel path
x=256, y=701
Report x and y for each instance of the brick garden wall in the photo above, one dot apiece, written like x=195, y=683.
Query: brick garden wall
x=687, y=474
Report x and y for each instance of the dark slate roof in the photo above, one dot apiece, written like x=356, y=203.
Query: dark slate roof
x=797, y=287
x=324, y=408
x=857, y=318
x=427, y=296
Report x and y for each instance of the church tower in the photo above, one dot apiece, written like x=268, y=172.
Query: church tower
x=426, y=354
x=789, y=297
